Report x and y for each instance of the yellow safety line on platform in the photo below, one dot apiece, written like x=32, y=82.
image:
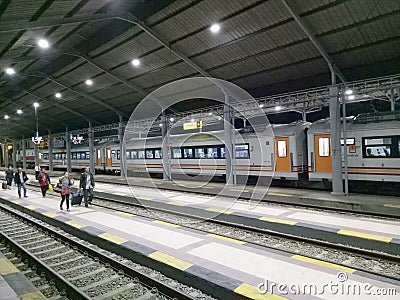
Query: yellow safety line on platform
x=6, y=267
x=251, y=292
x=367, y=236
x=32, y=296
x=124, y=213
x=49, y=214
x=31, y=207
x=279, y=194
x=18, y=201
x=113, y=238
x=226, y=239
x=392, y=205
x=75, y=224
x=94, y=206
x=323, y=263
x=219, y=210
x=239, y=190
x=280, y=221
x=144, y=198
x=119, y=194
x=166, y=223
x=170, y=260
x=176, y=203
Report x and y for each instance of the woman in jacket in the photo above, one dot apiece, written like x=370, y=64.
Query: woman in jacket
x=44, y=181
x=66, y=184
x=9, y=177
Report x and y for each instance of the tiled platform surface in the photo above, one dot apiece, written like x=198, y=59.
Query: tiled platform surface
x=234, y=264
x=14, y=285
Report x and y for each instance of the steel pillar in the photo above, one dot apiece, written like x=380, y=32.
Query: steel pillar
x=345, y=147
x=14, y=154
x=91, y=149
x=392, y=100
x=229, y=150
x=6, y=163
x=122, y=152
x=36, y=149
x=23, y=154
x=68, y=148
x=165, y=148
x=50, y=143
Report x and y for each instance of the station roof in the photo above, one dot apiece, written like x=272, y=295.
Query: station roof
x=265, y=47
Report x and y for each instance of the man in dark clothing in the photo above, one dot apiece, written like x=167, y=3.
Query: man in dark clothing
x=44, y=181
x=87, y=184
x=20, y=178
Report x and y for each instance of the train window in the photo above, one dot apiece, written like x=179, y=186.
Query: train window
x=323, y=147
x=149, y=154
x=176, y=153
x=63, y=155
x=128, y=154
x=222, y=152
x=199, y=153
x=141, y=154
x=157, y=153
x=282, y=149
x=78, y=155
x=242, y=151
x=212, y=152
x=74, y=155
x=87, y=155
x=188, y=153
x=134, y=154
x=118, y=153
x=377, y=147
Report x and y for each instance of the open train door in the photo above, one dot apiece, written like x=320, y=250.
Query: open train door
x=282, y=154
x=323, y=153
x=108, y=157
x=98, y=157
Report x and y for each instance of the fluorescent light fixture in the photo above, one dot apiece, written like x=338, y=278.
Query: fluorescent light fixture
x=58, y=95
x=348, y=92
x=171, y=119
x=44, y=44
x=136, y=62
x=214, y=28
x=89, y=82
x=192, y=120
x=19, y=111
x=6, y=117
x=210, y=113
x=36, y=104
x=352, y=97
x=160, y=124
x=10, y=71
x=278, y=108
x=261, y=105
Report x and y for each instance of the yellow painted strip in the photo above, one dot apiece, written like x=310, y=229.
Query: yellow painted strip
x=49, y=214
x=113, y=238
x=6, y=267
x=170, y=260
x=280, y=221
x=95, y=206
x=219, y=210
x=240, y=190
x=392, y=205
x=323, y=263
x=176, y=203
x=76, y=224
x=279, y=194
x=119, y=194
x=144, y=198
x=124, y=213
x=18, y=201
x=226, y=239
x=166, y=223
x=251, y=292
x=367, y=236
x=33, y=296
x=31, y=207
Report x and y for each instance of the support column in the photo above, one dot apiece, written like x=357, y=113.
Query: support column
x=345, y=147
x=165, y=148
x=6, y=162
x=229, y=151
x=50, y=144
x=392, y=100
x=68, y=148
x=14, y=154
x=304, y=116
x=334, y=112
x=36, y=149
x=91, y=149
x=23, y=154
x=122, y=152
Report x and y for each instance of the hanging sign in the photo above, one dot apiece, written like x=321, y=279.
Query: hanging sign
x=192, y=125
x=37, y=139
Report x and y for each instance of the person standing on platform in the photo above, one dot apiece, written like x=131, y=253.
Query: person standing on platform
x=20, y=178
x=9, y=177
x=44, y=181
x=66, y=184
x=87, y=184
x=37, y=171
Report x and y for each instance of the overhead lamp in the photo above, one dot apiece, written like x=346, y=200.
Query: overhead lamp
x=44, y=44
x=214, y=28
x=352, y=97
x=192, y=120
x=19, y=111
x=278, y=108
x=171, y=119
x=6, y=117
x=160, y=124
x=136, y=62
x=210, y=113
x=89, y=82
x=261, y=105
x=10, y=71
x=348, y=92
x=35, y=105
x=58, y=95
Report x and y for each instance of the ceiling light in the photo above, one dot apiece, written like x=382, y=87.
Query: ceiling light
x=352, y=97
x=44, y=44
x=261, y=105
x=210, y=113
x=192, y=120
x=58, y=95
x=136, y=62
x=214, y=28
x=10, y=71
x=36, y=104
x=171, y=119
x=278, y=108
x=89, y=82
x=6, y=117
x=19, y=111
x=160, y=124
x=348, y=92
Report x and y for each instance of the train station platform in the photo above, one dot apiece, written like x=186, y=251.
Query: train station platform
x=231, y=268
x=13, y=283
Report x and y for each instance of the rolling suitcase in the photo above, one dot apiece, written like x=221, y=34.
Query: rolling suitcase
x=4, y=185
x=76, y=199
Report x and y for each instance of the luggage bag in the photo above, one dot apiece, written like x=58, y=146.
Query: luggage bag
x=76, y=199
x=4, y=185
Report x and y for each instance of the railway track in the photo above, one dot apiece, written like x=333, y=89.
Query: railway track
x=71, y=268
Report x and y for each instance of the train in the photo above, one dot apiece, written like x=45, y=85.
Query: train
x=298, y=154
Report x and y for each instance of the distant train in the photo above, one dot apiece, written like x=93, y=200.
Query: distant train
x=298, y=153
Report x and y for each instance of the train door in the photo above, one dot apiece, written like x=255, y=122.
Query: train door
x=322, y=150
x=282, y=154
x=98, y=157
x=108, y=157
